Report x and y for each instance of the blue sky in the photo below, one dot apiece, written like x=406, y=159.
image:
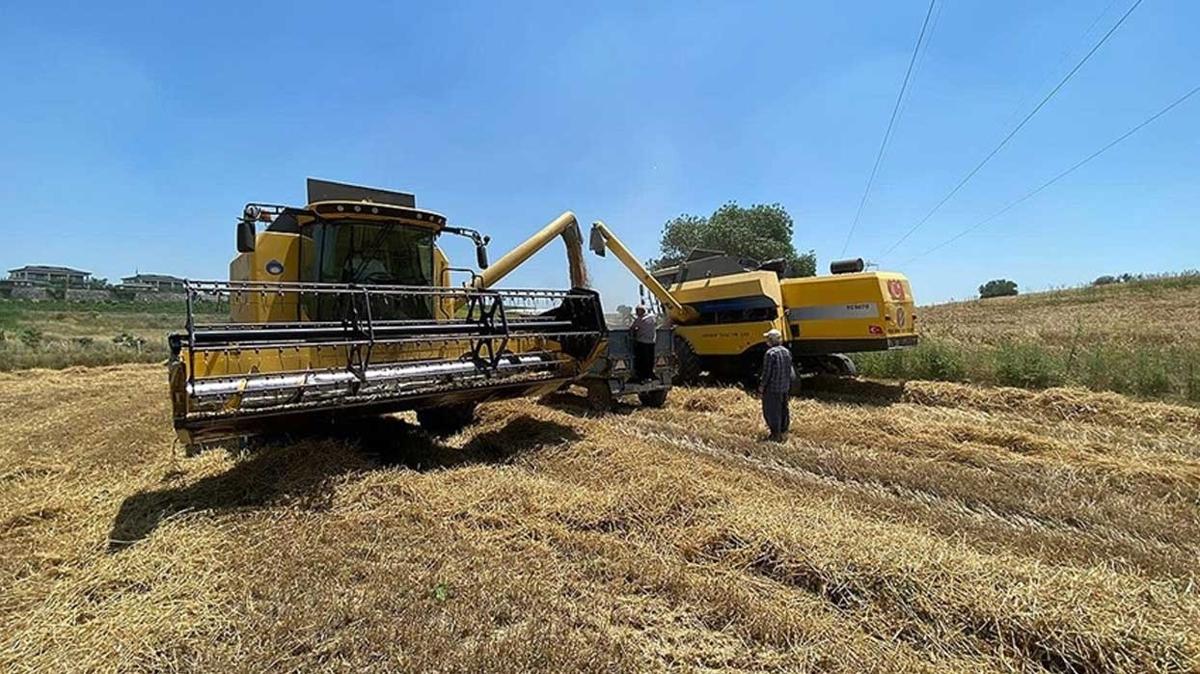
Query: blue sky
x=131, y=135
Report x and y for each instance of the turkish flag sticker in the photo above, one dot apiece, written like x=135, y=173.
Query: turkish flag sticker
x=896, y=289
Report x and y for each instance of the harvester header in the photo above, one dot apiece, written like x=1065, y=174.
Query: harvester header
x=345, y=306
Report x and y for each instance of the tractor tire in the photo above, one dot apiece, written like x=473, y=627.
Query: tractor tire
x=600, y=397
x=839, y=365
x=655, y=398
x=687, y=363
x=448, y=419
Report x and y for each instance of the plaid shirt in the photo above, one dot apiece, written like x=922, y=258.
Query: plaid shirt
x=777, y=370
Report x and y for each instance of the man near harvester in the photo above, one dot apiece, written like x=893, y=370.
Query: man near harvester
x=642, y=330
x=775, y=385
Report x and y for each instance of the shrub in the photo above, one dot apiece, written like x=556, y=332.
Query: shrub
x=31, y=337
x=131, y=341
x=1192, y=382
x=931, y=359
x=1105, y=280
x=1026, y=364
x=938, y=361
x=1105, y=370
x=1150, y=373
x=887, y=364
x=998, y=288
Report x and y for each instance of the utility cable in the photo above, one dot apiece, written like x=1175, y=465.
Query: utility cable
x=891, y=123
x=1061, y=63
x=1017, y=128
x=1056, y=178
x=916, y=73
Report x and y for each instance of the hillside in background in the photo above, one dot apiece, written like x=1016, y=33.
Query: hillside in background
x=1138, y=337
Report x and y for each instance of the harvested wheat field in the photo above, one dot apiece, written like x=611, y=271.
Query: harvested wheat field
x=1146, y=313
x=924, y=527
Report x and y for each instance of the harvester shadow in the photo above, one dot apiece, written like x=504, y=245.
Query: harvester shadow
x=578, y=405
x=297, y=469
x=853, y=391
x=395, y=442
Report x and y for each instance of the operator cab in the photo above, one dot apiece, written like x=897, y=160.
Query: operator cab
x=353, y=235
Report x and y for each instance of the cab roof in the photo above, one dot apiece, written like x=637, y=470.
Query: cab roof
x=332, y=201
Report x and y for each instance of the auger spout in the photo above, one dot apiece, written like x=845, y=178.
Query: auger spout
x=564, y=225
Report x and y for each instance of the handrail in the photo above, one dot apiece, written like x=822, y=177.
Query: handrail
x=466, y=292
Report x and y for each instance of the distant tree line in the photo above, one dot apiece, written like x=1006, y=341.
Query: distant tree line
x=1134, y=278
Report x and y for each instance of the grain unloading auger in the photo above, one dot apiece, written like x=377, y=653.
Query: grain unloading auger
x=345, y=307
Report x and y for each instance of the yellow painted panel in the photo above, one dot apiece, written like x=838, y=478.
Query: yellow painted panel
x=441, y=273
x=727, y=339
x=749, y=284
x=859, y=306
x=259, y=307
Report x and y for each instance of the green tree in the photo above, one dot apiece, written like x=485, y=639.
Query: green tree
x=1000, y=287
x=762, y=232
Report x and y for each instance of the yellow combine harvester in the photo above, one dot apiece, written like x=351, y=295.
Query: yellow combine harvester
x=721, y=305
x=346, y=306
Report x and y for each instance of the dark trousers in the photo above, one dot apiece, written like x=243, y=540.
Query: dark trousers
x=643, y=360
x=775, y=411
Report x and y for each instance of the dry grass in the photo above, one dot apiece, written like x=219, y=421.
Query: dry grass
x=931, y=527
x=55, y=334
x=1154, y=313
x=1132, y=338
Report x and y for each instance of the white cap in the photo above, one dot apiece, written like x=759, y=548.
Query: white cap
x=773, y=333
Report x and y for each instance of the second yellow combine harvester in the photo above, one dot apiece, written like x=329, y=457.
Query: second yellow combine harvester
x=345, y=306
x=721, y=305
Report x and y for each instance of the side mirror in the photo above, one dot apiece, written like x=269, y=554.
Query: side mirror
x=245, y=236
x=596, y=241
x=481, y=257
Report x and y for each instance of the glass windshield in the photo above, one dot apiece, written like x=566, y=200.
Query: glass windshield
x=372, y=253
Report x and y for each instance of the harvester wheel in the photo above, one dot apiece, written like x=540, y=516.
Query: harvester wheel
x=687, y=363
x=839, y=364
x=655, y=398
x=447, y=419
x=600, y=396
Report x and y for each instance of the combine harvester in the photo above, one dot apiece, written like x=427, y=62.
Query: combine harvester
x=721, y=305
x=345, y=306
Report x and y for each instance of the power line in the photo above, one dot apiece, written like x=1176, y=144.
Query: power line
x=891, y=123
x=1062, y=61
x=1017, y=128
x=1056, y=178
x=916, y=73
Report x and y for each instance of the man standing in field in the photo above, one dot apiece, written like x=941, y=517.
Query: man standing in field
x=775, y=385
x=642, y=330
